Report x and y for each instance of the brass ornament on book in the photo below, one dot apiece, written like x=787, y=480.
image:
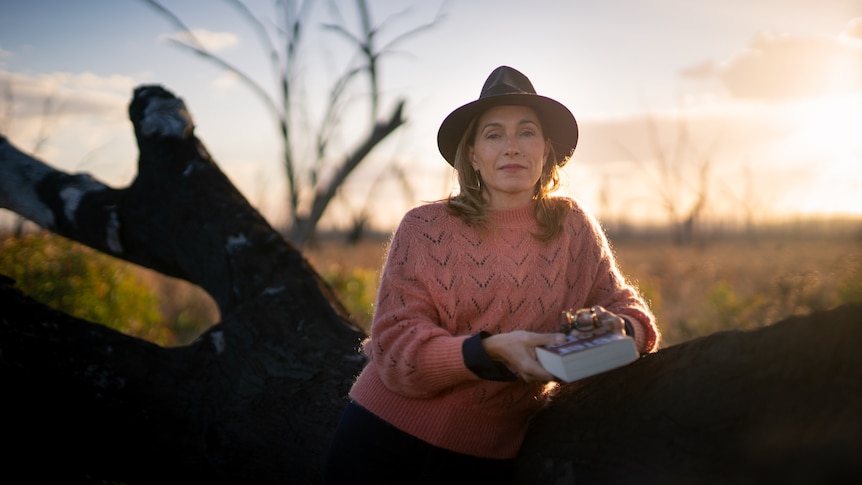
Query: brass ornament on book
x=583, y=320
x=591, y=347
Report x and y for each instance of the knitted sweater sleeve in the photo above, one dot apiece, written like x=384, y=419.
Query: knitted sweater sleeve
x=412, y=353
x=611, y=291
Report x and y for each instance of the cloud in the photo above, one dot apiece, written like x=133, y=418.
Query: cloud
x=83, y=93
x=73, y=121
x=5, y=56
x=211, y=41
x=704, y=70
x=783, y=67
x=226, y=80
x=854, y=29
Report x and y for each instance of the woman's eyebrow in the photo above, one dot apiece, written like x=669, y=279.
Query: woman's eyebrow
x=494, y=124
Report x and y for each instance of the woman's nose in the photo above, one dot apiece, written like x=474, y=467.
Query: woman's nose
x=512, y=145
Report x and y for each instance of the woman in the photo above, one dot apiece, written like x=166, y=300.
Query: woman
x=471, y=286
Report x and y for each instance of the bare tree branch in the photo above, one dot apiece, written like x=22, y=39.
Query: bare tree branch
x=324, y=195
x=669, y=177
x=310, y=178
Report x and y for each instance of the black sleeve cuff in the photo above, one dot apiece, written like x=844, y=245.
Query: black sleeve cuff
x=630, y=329
x=477, y=360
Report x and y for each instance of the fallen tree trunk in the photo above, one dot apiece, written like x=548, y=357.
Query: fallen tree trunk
x=256, y=397
x=780, y=404
x=253, y=400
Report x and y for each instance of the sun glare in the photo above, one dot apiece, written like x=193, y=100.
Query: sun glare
x=830, y=134
x=832, y=126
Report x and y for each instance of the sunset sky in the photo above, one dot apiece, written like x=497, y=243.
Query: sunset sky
x=765, y=94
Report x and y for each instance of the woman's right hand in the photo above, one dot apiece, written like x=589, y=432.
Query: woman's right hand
x=517, y=350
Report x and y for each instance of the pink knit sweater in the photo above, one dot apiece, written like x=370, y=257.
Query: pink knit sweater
x=443, y=282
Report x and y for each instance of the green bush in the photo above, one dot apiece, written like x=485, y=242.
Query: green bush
x=355, y=289
x=728, y=310
x=84, y=283
x=850, y=289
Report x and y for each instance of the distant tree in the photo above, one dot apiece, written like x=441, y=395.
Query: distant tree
x=747, y=198
x=361, y=216
x=314, y=176
x=679, y=175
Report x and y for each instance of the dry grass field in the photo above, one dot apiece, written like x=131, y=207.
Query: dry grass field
x=693, y=290
x=724, y=285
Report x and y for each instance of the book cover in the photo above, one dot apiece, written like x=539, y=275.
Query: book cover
x=577, y=358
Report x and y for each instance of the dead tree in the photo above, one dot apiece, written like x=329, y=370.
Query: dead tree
x=256, y=398
x=671, y=181
x=253, y=400
x=315, y=172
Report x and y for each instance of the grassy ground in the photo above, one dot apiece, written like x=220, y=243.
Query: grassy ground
x=698, y=290
x=693, y=290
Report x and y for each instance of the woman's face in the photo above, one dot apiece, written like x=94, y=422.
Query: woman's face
x=509, y=151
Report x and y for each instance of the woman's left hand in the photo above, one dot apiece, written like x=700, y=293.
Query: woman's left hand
x=518, y=351
x=596, y=320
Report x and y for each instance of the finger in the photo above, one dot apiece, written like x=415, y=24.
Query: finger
x=585, y=320
x=548, y=339
x=611, y=320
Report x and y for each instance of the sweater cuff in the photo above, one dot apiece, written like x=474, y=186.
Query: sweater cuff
x=477, y=360
x=630, y=331
x=629, y=328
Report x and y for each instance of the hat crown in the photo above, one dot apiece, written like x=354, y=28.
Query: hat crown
x=506, y=80
x=508, y=86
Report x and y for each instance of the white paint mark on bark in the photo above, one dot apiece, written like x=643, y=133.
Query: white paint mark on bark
x=166, y=117
x=112, y=232
x=218, y=341
x=72, y=194
x=236, y=243
x=273, y=290
x=71, y=197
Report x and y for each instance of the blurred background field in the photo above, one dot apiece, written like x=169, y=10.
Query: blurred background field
x=719, y=282
x=731, y=281
x=739, y=284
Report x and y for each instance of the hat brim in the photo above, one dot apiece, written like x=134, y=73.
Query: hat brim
x=558, y=123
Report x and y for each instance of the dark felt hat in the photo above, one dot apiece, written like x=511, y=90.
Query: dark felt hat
x=507, y=86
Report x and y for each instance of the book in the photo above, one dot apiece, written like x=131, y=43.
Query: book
x=577, y=358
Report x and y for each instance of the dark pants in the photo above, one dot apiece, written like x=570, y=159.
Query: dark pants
x=366, y=449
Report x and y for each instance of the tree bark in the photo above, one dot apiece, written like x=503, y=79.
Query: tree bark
x=781, y=404
x=256, y=398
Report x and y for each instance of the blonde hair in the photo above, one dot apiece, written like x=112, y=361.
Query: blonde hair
x=471, y=207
